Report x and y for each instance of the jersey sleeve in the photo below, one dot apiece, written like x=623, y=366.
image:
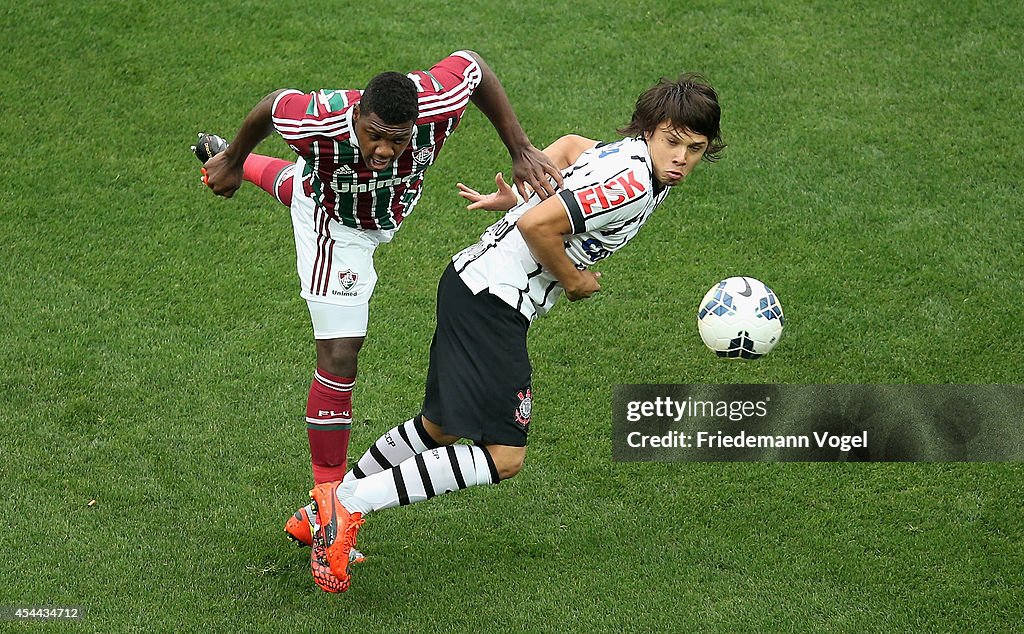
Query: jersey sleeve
x=302, y=118
x=616, y=186
x=445, y=89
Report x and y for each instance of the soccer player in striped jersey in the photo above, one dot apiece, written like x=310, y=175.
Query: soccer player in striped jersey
x=362, y=158
x=478, y=383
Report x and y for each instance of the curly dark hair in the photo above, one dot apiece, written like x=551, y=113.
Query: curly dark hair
x=689, y=103
x=392, y=96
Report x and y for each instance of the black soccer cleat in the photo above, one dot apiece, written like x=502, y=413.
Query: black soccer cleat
x=208, y=146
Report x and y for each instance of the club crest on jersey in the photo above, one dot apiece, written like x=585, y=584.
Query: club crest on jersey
x=525, y=409
x=618, y=191
x=423, y=155
x=348, y=279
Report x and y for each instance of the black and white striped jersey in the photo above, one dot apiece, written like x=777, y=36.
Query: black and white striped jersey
x=608, y=194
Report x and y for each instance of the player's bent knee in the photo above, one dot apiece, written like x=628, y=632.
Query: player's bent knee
x=436, y=433
x=508, y=461
x=510, y=471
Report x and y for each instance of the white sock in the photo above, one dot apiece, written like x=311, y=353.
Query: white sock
x=419, y=478
x=396, y=446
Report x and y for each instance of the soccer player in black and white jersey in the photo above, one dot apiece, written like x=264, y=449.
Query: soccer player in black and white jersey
x=478, y=383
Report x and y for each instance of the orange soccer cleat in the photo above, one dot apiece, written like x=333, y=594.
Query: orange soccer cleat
x=298, y=528
x=334, y=532
x=322, y=575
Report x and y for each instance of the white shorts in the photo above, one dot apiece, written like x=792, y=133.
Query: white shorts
x=335, y=266
x=333, y=321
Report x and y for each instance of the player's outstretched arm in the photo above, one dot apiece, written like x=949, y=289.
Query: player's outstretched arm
x=542, y=228
x=563, y=153
x=501, y=200
x=224, y=171
x=529, y=165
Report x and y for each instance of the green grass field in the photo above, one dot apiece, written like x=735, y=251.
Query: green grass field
x=156, y=355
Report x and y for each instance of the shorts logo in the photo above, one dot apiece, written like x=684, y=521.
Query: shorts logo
x=423, y=155
x=525, y=409
x=348, y=279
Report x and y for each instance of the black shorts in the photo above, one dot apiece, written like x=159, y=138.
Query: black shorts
x=478, y=383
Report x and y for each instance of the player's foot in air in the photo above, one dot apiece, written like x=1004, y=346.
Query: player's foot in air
x=299, y=529
x=208, y=146
x=334, y=532
x=322, y=575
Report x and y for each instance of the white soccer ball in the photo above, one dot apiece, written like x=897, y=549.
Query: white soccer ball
x=741, y=318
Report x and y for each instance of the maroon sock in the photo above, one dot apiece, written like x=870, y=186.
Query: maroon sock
x=329, y=424
x=272, y=175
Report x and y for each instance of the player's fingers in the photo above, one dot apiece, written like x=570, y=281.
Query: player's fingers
x=467, y=192
x=543, y=188
x=555, y=174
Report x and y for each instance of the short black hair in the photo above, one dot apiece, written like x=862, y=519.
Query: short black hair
x=392, y=97
x=689, y=103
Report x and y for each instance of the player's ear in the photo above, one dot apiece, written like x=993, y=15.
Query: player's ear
x=355, y=113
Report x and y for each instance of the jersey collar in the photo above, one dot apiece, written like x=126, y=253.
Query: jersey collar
x=350, y=126
x=658, y=187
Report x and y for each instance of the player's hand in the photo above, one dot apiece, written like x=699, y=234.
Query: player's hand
x=222, y=176
x=585, y=285
x=533, y=168
x=501, y=200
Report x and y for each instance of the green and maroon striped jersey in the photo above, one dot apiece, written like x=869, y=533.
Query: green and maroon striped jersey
x=318, y=127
